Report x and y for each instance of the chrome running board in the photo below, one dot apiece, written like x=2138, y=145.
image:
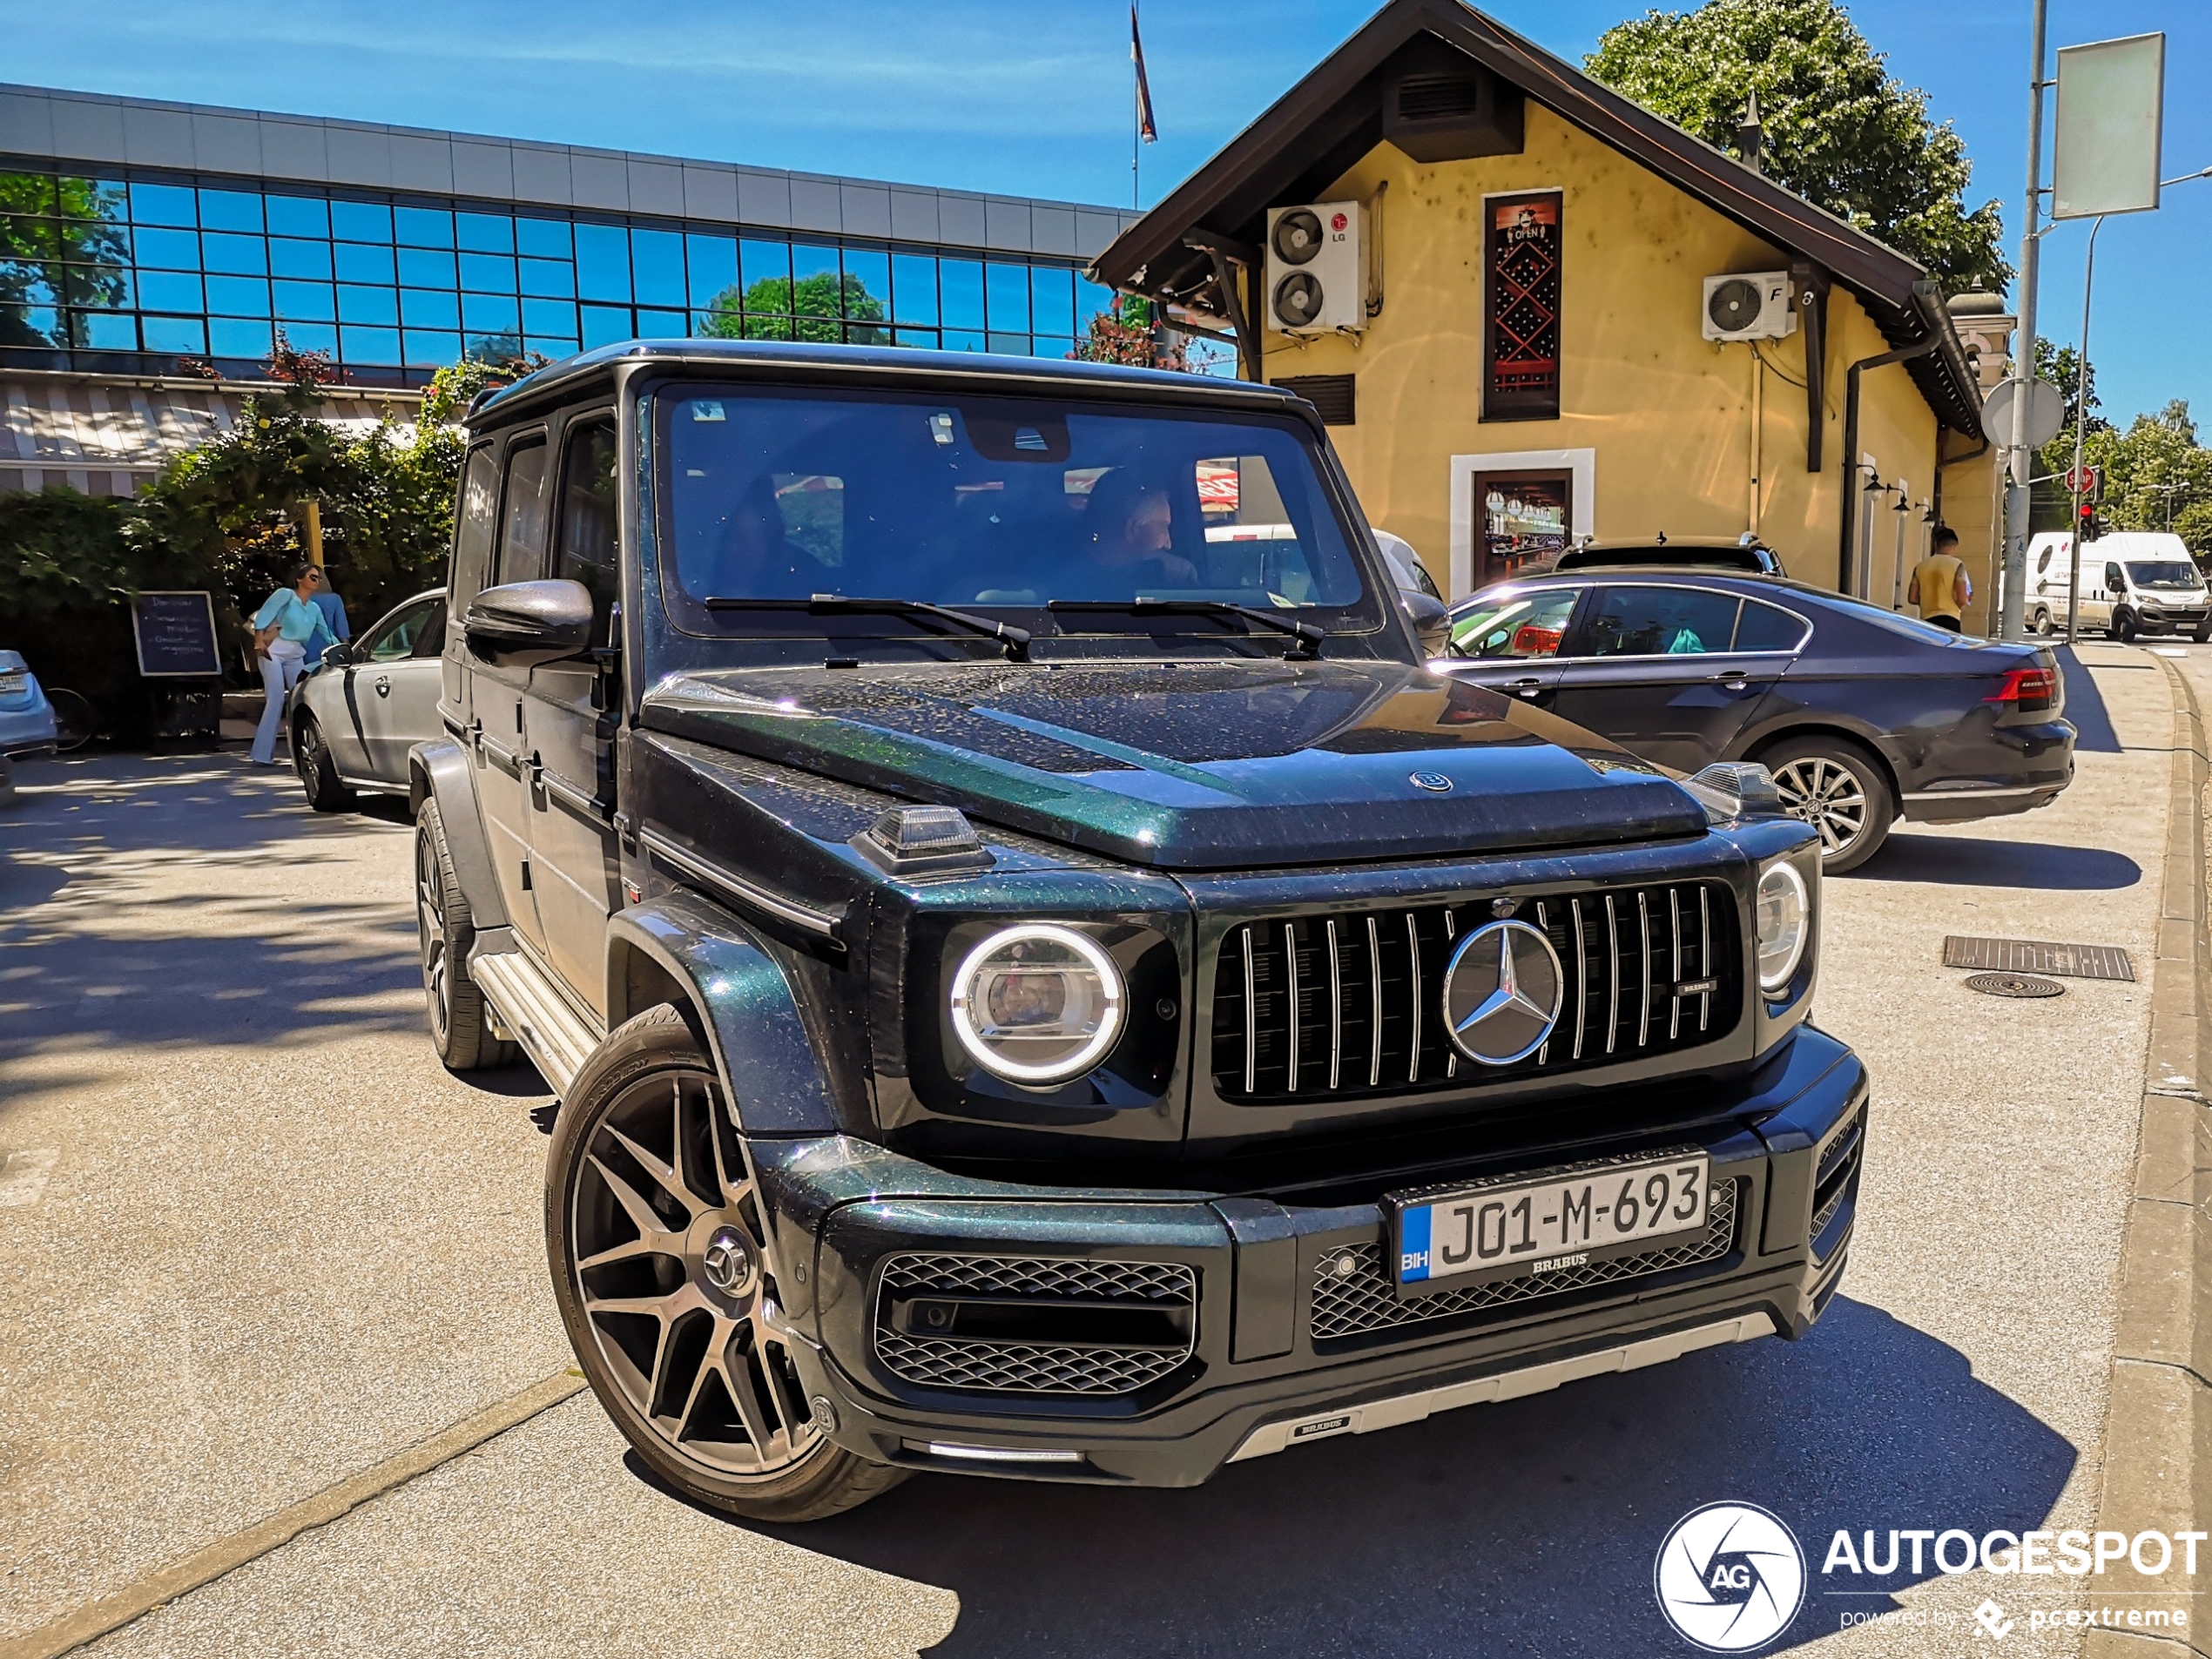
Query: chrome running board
x=556, y=1038
x=1511, y=1385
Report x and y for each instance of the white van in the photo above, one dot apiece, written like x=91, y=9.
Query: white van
x=2133, y=582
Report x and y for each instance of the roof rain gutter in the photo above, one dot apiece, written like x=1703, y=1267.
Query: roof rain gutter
x=1852, y=486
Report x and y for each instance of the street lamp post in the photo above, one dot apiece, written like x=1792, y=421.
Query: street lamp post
x=2016, y=499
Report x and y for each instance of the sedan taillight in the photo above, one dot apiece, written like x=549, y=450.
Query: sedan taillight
x=2030, y=689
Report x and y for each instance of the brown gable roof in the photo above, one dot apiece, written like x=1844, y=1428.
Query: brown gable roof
x=1318, y=129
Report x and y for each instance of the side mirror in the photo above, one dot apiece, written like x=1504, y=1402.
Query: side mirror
x=1428, y=614
x=525, y=623
x=337, y=654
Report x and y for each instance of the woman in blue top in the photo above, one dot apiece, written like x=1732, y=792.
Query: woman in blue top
x=282, y=627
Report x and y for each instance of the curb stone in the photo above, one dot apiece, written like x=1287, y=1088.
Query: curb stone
x=2158, y=1427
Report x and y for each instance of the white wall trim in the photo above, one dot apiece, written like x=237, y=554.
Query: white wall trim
x=1582, y=508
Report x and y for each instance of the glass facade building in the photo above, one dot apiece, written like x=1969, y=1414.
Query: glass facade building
x=139, y=268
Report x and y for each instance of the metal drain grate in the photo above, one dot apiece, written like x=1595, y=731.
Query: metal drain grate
x=2014, y=984
x=2035, y=956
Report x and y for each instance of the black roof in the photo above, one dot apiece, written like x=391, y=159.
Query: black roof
x=1323, y=125
x=787, y=359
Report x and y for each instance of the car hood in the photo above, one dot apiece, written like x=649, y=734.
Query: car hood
x=1197, y=766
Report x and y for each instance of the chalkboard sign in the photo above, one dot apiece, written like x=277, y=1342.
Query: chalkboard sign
x=176, y=636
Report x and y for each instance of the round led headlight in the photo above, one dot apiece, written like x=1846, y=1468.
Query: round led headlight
x=1037, y=1003
x=1785, y=919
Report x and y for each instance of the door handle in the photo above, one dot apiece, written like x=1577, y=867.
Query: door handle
x=1528, y=687
x=1731, y=679
x=383, y=685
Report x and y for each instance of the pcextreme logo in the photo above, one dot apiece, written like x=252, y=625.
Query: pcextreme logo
x=1730, y=1577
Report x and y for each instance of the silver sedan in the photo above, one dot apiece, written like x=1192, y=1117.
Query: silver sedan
x=357, y=714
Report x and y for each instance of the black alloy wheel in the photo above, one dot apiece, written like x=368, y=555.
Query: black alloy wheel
x=663, y=1273
x=461, y=1028
x=1839, y=789
x=318, y=768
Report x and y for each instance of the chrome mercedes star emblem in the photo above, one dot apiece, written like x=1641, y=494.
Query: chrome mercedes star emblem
x=1435, y=782
x=1502, y=993
x=728, y=1262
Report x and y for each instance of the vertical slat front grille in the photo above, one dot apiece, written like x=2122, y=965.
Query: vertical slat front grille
x=1352, y=1003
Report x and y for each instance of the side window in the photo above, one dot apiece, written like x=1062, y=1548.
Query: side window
x=2043, y=561
x=472, y=537
x=1658, y=622
x=2115, y=582
x=399, y=634
x=430, y=638
x=1518, y=625
x=590, y=548
x=1767, y=628
x=522, y=514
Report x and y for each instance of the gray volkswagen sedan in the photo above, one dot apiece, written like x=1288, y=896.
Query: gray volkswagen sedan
x=357, y=714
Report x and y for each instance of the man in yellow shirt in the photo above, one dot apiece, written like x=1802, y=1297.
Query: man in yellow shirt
x=1941, y=585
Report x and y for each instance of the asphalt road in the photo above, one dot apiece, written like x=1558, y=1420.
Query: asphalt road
x=256, y=1239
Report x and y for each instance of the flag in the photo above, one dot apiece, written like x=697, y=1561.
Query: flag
x=1144, y=125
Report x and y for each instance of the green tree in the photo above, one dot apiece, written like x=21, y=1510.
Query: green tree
x=2157, y=476
x=1841, y=130
x=824, y=307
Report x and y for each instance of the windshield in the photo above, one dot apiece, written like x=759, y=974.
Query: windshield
x=991, y=504
x=2164, y=573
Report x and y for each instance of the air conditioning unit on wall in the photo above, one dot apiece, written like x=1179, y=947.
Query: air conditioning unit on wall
x=1316, y=275
x=1754, y=305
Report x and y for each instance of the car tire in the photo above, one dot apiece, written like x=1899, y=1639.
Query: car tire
x=317, y=767
x=2042, y=623
x=1838, y=787
x=662, y=1274
x=2123, y=627
x=461, y=1025
x=2203, y=634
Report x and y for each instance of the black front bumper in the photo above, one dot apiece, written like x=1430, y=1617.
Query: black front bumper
x=1268, y=1364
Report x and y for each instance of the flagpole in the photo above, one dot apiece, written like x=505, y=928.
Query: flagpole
x=1136, y=115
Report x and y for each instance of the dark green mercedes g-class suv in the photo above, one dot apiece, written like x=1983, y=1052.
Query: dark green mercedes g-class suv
x=1040, y=978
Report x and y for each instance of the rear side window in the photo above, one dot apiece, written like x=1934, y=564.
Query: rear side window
x=1767, y=628
x=521, y=516
x=1658, y=622
x=472, y=537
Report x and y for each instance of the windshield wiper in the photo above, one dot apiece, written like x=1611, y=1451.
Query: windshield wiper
x=1015, y=641
x=1306, y=636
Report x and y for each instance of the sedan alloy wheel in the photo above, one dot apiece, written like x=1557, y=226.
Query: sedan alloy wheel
x=1831, y=796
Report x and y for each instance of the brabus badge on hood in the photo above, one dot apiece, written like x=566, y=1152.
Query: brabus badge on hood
x=1435, y=782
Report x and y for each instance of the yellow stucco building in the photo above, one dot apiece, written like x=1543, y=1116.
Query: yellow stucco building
x=1529, y=359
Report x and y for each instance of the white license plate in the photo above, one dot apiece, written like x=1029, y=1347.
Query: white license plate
x=1511, y=1228
x=12, y=682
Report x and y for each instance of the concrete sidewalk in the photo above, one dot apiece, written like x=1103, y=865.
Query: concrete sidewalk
x=278, y=1244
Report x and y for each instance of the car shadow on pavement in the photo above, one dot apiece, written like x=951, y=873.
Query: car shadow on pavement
x=2085, y=707
x=1529, y=1528
x=1962, y=861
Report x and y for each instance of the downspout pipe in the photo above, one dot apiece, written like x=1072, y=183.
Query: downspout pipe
x=1851, y=447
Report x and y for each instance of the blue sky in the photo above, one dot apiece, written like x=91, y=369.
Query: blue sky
x=1032, y=96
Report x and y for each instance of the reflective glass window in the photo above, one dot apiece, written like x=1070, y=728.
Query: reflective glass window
x=40, y=325
x=924, y=339
x=603, y=262
x=236, y=337
x=484, y=233
x=379, y=347
x=764, y=261
x=490, y=313
x=422, y=226
x=606, y=325
x=169, y=290
x=367, y=304
x=429, y=308
x=312, y=336
x=426, y=267
x=298, y=216
x=660, y=325
x=550, y=346
x=1052, y=346
x=711, y=263
x=174, y=334
x=238, y=296
x=28, y=238
x=549, y=279
x=360, y=221
x=815, y=276
x=1052, y=300
x=306, y=302
x=486, y=273
x=97, y=284
x=106, y=331
x=28, y=193
x=360, y=262
x=963, y=340
x=868, y=284
x=913, y=287
x=961, y=284
x=234, y=255
x=497, y=344
x=657, y=260
x=1658, y=622
x=169, y=205
x=26, y=284
x=92, y=199
x=230, y=210
x=717, y=325
x=1091, y=298
x=542, y=238
x=1007, y=290
x=291, y=258
x=553, y=317
x=431, y=350
x=167, y=250
x=1008, y=344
